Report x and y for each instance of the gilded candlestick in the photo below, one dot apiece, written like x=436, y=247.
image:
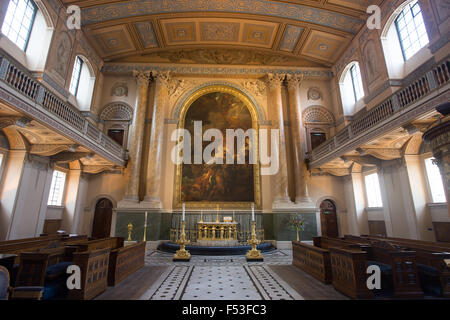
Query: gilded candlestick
x=130, y=229
x=254, y=254
x=182, y=254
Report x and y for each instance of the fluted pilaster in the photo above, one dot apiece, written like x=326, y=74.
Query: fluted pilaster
x=300, y=169
x=153, y=193
x=274, y=83
x=137, y=136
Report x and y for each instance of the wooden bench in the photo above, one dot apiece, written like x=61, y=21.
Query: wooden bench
x=45, y=268
x=125, y=261
x=313, y=260
x=399, y=268
x=349, y=272
x=91, y=245
x=17, y=247
x=326, y=243
x=431, y=262
x=403, y=267
x=94, y=273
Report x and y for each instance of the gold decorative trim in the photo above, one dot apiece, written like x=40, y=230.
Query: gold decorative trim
x=256, y=168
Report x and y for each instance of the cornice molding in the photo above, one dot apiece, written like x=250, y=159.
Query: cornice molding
x=127, y=68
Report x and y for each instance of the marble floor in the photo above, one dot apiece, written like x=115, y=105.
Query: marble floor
x=220, y=278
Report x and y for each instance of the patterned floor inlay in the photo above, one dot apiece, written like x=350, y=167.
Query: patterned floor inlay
x=170, y=284
x=270, y=285
x=237, y=282
x=219, y=283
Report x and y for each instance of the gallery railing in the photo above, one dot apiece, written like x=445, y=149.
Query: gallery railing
x=44, y=103
x=423, y=85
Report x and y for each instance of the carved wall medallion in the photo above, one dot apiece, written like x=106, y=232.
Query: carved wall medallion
x=119, y=89
x=314, y=94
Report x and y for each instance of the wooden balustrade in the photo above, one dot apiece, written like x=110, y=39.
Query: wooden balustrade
x=413, y=91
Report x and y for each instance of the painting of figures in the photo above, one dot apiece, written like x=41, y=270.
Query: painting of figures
x=218, y=182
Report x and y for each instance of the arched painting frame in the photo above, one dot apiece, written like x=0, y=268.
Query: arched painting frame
x=256, y=167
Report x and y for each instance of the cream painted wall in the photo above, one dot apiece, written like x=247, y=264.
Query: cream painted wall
x=28, y=215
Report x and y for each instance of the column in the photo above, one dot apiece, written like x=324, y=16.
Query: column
x=137, y=138
x=300, y=169
x=153, y=195
x=439, y=139
x=74, y=203
x=281, y=194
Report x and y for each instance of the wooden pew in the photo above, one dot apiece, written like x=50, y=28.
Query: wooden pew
x=403, y=264
x=398, y=266
x=47, y=237
x=349, y=272
x=431, y=260
x=91, y=245
x=45, y=268
x=313, y=260
x=326, y=243
x=125, y=261
x=33, y=245
x=94, y=273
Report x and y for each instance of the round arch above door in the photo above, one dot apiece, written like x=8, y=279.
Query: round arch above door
x=101, y=227
x=328, y=219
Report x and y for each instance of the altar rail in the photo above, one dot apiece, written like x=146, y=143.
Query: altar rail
x=362, y=129
x=39, y=102
x=243, y=218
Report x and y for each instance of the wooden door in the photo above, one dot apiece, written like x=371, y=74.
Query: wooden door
x=328, y=219
x=101, y=227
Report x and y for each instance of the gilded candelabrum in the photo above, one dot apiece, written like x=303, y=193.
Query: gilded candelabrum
x=182, y=254
x=130, y=229
x=254, y=254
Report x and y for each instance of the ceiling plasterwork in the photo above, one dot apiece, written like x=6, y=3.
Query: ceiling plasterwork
x=298, y=32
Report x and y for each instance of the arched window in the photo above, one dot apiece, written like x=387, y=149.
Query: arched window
x=411, y=30
x=28, y=31
x=352, y=90
x=19, y=21
x=404, y=39
x=82, y=83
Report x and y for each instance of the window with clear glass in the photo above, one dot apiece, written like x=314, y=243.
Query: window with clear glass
x=57, y=188
x=74, y=83
x=373, y=191
x=19, y=21
x=435, y=181
x=411, y=30
x=358, y=90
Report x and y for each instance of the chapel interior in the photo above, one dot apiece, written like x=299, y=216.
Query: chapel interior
x=103, y=104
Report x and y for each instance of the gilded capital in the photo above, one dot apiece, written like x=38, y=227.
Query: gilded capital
x=274, y=80
x=162, y=77
x=294, y=81
x=142, y=77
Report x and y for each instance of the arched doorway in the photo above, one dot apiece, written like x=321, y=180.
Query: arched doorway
x=328, y=219
x=101, y=228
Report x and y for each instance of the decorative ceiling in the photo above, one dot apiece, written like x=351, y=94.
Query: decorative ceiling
x=292, y=32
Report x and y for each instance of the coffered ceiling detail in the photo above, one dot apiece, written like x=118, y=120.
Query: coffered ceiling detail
x=310, y=30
